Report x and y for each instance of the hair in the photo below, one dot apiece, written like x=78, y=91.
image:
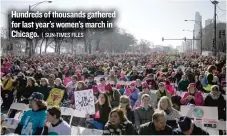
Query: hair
x=121, y=114
x=107, y=102
x=164, y=98
x=46, y=80
x=55, y=111
x=74, y=77
x=157, y=114
x=41, y=104
x=32, y=80
x=211, y=68
x=59, y=79
x=216, y=87
x=145, y=95
x=125, y=97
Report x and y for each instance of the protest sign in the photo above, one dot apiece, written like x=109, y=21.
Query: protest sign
x=84, y=103
x=203, y=117
x=55, y=97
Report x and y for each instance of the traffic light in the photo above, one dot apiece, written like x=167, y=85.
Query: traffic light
x=213, y=42
x=219, y=36
x=185, y=39
x=223, y=32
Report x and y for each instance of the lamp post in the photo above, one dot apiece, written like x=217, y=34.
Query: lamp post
x=201, y=33
x=30, y=8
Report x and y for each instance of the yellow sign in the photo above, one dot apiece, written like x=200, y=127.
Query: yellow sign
x=55, y=97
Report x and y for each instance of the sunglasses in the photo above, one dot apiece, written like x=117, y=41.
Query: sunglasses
x=144, y=87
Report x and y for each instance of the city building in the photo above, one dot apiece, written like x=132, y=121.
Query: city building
x=197, y=27
x=208, y=22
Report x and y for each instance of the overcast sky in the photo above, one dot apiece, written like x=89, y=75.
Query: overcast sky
x=147, y=19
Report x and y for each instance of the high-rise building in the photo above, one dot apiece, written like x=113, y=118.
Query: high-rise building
x=208, y=22
x=197, y=27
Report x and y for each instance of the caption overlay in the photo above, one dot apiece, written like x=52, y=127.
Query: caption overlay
x=56, y=24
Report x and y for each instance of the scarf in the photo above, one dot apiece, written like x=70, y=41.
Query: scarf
x=215, y=97
x=117, y=131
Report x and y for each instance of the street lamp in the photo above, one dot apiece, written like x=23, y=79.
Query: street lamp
x=30, y=8
x=35, y=5
x=201, y=33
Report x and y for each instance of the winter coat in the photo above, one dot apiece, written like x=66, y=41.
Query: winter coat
x=172, y=114
x=45, y=90
x=103, y=113
x=196, y=131
x=142, y=115
x=198, y=99
x=160, y=94
x=134, y=97
x=7, y=84
x=130, y=115
x=114, y=98
x=126, y=128
x=219, y=102
x=149, y=129
x=183, y=85
x=178, y=76
x=27, y=92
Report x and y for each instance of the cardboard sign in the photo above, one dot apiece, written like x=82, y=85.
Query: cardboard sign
x=84, y=103
x=55, y=97
x=200, y=112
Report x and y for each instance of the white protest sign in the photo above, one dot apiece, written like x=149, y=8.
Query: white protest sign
x=200, y=112
x=84, y=103
x=208, y=117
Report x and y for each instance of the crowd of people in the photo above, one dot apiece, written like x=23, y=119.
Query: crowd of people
x=158, y=84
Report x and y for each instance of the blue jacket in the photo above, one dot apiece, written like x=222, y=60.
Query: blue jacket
x=134, y=97
x=32, y=122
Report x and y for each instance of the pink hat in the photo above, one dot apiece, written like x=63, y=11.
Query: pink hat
x=144, y=84
x=133, y=84
x=95, y=89
x=192, y=85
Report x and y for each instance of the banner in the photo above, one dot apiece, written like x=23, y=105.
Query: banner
x=55, y=97
x=84, y=103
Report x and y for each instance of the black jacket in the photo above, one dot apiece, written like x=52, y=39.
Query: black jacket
x=149, y=129
x=196, y=131
x=130, y=116
x=45, y=90
x=219, y=102
x=104, y=113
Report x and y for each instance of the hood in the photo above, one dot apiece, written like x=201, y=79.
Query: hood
x=215, y=97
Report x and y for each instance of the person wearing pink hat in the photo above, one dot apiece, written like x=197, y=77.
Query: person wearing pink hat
x=193, y=96
x=134, y=93
x=113, y=95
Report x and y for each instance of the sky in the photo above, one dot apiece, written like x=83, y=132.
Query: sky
x=145, y=19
